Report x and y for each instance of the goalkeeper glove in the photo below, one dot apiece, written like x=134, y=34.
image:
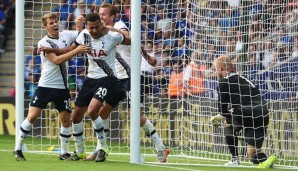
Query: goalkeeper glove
x=216, y=120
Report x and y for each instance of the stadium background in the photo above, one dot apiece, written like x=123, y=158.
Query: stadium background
x=216, y=27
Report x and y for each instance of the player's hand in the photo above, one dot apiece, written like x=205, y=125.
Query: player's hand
x=83, y=49
x=152, y=61
x=216, y=120
x=45, y=49
x=79, y=20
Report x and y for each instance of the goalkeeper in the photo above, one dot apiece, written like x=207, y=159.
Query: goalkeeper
x=242, y=108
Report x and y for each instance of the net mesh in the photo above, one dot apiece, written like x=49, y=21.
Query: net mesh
x=185, y=37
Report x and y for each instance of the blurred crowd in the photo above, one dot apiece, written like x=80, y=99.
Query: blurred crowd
x=7, y=20
x=186, y=36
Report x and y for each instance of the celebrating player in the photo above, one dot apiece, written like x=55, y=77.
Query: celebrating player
x=100, y=92
x=52, y=86
x=242, y=107
x=107, y=14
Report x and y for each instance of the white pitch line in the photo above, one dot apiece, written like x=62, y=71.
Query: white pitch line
x=170, y=167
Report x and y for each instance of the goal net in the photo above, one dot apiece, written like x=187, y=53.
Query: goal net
x=185, y=36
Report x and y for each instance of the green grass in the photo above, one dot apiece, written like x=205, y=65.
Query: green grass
x=49, y=161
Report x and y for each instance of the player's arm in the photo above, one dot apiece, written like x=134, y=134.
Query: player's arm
x=59, y=59
x=224, y=97
x=151, y=60
x=223, y=101
x=79, y=23
x=57, y=51
x=125, y=33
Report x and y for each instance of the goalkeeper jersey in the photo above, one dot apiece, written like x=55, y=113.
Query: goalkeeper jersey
x=239, y=96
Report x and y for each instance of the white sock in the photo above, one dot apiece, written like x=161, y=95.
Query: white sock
x=99, y=130
x=106, y=125
x=26, y=127
x=65, y=134
x=78, y=133
x=150, y=132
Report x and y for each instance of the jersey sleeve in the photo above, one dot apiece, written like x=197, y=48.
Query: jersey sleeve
x=118, y=37
x=120, y=26
x=44, y=43
x=80, y=38
x=223, y=97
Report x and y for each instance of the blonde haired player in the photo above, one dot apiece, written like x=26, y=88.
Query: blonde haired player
x=52, y=86
x=241, y=106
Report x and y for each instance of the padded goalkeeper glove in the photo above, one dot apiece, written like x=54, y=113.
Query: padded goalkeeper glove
x=216, y=120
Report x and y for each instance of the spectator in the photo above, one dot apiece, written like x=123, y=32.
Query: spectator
x=82, y=9
x=2, y=29
x=65, y=13
x=32, y=71
x=125, y=12
x=193, y=75
x=181, y=48
x=175, y=88
x=164, y=23
x=268, y=54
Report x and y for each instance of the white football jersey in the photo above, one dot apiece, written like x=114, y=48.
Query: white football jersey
x=52, y=75
x=103, y=53
x=123, y=58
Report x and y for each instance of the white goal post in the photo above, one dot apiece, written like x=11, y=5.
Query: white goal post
x=185, y=37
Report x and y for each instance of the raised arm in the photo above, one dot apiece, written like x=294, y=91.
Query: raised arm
x=151, y=60
x=59, y=59
x=79, y=23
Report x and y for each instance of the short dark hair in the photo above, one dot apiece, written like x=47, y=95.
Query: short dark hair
x=92, y=17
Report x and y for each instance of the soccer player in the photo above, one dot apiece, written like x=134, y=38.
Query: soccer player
x=52, y=86
x=100, y=92
x=107, y=14
x=242, y=107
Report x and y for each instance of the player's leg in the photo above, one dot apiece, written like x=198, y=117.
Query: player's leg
x=254, y=137
x=93, y=112
x=162, y=151
x=81, y=104
x=38, y=101
x=231, y=135
x=102, y=146
x=61, y=99
x=65, y=134
x=148, y=127
x=25, y=128
x=107, y=93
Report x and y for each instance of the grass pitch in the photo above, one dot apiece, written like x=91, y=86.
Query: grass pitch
x=48, y=161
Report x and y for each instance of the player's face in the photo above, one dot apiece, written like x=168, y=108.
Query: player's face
x=52, y=27
x=105, y=16
x=219, y=70
x=94, y=28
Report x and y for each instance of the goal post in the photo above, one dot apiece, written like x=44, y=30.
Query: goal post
x=135, y=152
x=19, y=79
x=185, y=37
